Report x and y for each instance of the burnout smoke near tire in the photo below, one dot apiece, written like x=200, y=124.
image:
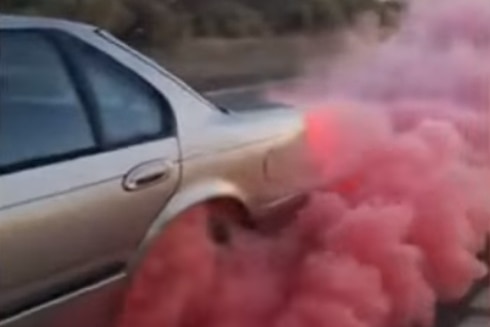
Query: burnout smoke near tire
x=181, y=275
x=177, y=273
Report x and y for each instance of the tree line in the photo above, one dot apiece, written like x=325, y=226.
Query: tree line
x=165, y=22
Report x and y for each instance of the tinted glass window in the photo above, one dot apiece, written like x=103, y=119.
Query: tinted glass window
x=41, y=115
x=128, y=108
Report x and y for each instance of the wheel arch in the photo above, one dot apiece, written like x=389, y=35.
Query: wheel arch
x=216, y=192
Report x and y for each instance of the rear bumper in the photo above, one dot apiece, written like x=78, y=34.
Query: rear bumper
x=281, y=212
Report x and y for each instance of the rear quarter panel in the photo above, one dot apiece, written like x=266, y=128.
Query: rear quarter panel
x=225, y=156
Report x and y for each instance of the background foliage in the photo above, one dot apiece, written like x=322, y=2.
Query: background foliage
x=165, y=22
x=215, y=44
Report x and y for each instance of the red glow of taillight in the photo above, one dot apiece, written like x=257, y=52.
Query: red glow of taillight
x=320, y=134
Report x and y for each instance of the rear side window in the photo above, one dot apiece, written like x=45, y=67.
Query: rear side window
x=41, y=114
x=128, y=108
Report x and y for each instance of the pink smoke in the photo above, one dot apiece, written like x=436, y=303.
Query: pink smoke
x=406, y=131
x=401, y=140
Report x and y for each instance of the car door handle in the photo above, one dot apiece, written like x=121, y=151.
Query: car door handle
x=147, y=174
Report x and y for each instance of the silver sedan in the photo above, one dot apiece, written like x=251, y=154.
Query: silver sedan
x=100, y=148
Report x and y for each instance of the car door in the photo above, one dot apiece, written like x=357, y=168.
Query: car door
x=88, y=158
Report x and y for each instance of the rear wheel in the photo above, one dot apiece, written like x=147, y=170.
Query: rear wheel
x=175, y=280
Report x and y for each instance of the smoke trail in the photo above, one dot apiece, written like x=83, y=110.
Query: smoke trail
x=408, y=130
x=403, y=138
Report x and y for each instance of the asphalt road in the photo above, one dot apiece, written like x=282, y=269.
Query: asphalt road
x=472, y=311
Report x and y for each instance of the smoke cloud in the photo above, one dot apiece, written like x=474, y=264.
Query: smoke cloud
x=400, y=136
x=405, y=129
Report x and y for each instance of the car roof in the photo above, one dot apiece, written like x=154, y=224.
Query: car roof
x=13, y=21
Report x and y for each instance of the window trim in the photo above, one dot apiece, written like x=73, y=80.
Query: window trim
x=86, y=96
x=46, y=161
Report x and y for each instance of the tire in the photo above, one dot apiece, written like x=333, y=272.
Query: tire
x=172, y=286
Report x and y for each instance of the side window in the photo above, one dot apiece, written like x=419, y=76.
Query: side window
x=128, y=108
x=41, y=115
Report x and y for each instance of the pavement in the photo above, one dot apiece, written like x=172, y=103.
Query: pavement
x=474, y=309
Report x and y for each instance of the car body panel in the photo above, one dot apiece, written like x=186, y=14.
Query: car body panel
x=97, y=304
x=222, y=163
x=67, y=229
x=56, y=211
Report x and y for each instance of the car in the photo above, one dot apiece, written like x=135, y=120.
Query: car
x=100, y=149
